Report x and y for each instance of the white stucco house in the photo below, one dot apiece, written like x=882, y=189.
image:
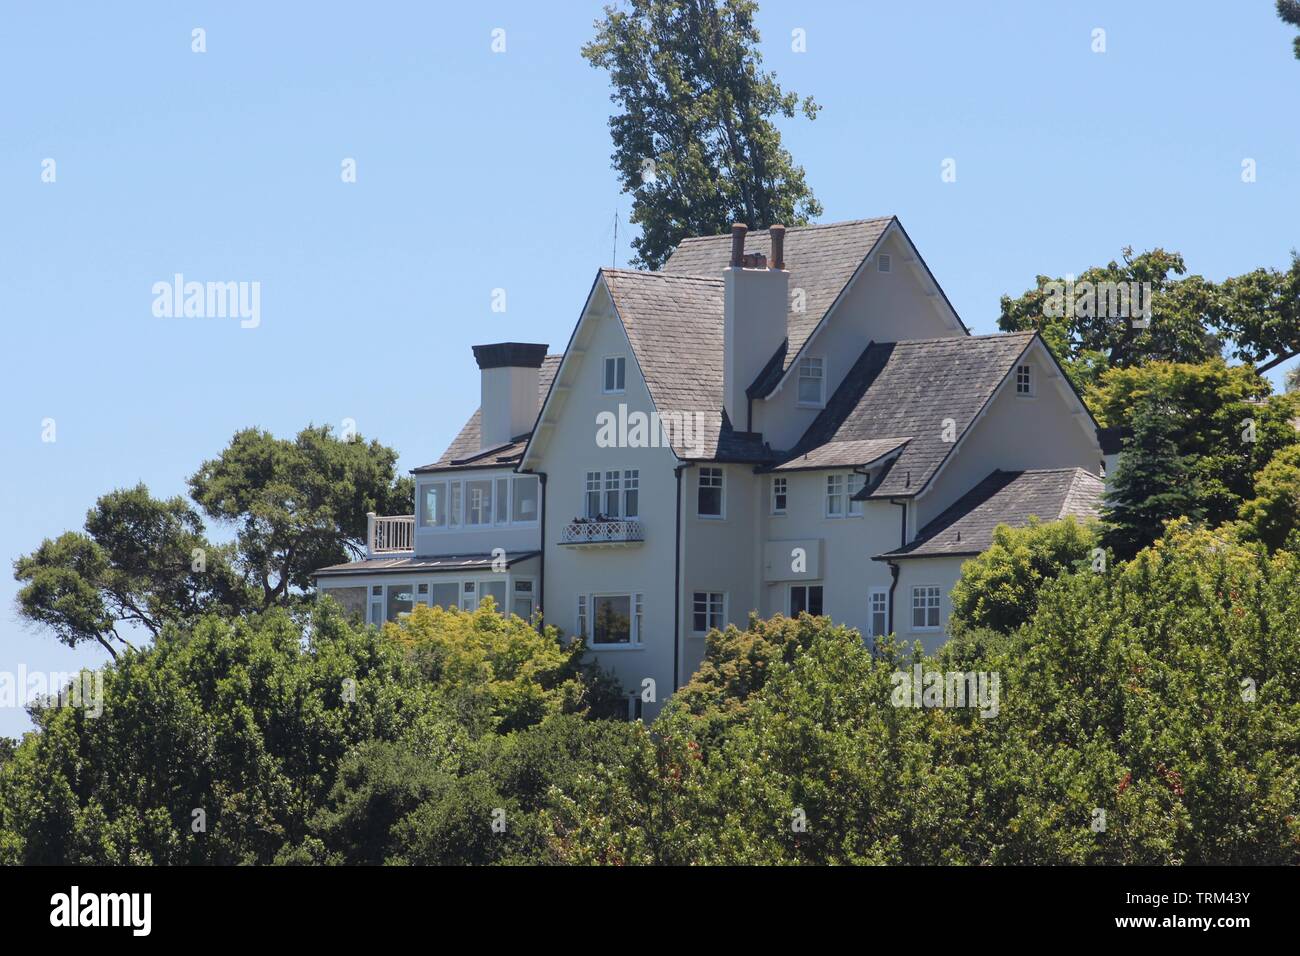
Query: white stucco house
x=777, y=421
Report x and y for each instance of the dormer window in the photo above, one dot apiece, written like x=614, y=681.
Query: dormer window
x=1024, y=380
x=812, y=382
x=615, y=374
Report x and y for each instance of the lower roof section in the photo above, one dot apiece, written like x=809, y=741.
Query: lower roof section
x=424, y=564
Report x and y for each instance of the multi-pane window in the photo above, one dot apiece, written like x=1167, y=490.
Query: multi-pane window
x=856, y=483
x=835, y=496
x=812, y=381
x=805, y=597
x=780, y=488
x=615, y=373
x=523, y=599
x=925, y=608
x=879, y=611
x=582, y=616
x=1024, y=380
x=612, y=494
x=478, y=502
x=709, y=501
x=709, y=611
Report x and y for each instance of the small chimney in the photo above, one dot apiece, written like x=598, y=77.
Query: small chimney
x=738, y=230
x=778, y=246
x=508, y=397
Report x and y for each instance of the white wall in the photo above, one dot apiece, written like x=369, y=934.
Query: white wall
x=942, y=572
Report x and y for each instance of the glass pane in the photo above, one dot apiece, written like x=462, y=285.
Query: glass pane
x=525, y=498
x=453, y=504
x=523, y=607
x=633, y=500
x=798, y=601
x=433, y=505
x=711, y=501
x=445, y=594
x=815, y=600
x=478, y=502
x=401, y=598
x=613, y=620
x=503, y=500
x=496, y=590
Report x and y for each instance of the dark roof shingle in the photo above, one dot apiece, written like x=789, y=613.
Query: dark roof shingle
x=1005, y=497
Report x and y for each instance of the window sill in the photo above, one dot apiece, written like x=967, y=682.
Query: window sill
x=926, y=630
x=710, y=517
x=818, y=405
x=615, y=647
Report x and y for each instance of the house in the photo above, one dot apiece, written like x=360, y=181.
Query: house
x=782, y=420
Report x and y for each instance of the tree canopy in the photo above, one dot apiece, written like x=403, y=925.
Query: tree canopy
x=694, y=141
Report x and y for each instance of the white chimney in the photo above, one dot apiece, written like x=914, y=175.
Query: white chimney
x=754, y=318
x=508, y=400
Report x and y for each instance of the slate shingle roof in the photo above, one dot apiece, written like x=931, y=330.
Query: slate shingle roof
x=905, y=390
x=843, y=454
x=1005, y=497
x=674, y=323
x=463, y=452
x=821, y=260
x=408, y=563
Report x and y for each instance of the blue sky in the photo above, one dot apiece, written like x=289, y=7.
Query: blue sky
x=478, y=171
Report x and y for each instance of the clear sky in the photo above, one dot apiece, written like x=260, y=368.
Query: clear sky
x=478, y=170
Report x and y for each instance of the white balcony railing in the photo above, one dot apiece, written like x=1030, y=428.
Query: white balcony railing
x=390, y=535
x=611, y=533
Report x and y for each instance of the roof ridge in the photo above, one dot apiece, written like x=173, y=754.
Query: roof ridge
x=641, y=273
x=790, y=229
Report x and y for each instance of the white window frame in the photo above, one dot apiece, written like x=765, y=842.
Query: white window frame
x=613, y=481
x=836, y=484
x=878, y=596
x=807, y=367
x=1025, y=381
x=722, y=492
x=715, y=604
x=619, y=362
x=587, y=614
x=854, y=483
x=789, y=598
x=780, y=489
x=931, y=599
x=456, y=503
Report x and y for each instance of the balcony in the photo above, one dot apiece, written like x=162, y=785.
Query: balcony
x=394, y=534
x=602, y=533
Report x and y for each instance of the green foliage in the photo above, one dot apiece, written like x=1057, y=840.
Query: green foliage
x=1274, y=513
x=1289, y=12
x=999, y=588
x=1200, y=433
x=1256, y=316
x=298, y=506
x=695, y=107
x=1160, y=693
x=134, y=564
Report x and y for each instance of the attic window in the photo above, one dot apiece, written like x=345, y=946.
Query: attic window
x=883, y=262
x=812, y=382
x=615, y=374
x=1024, y=380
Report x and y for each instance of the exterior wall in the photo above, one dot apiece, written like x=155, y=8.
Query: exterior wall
x=507, y=404
x=940, y=572
x=1015, y=433
x=720, y=555
x=512, y=537
x=879, y=307
x=568, y=453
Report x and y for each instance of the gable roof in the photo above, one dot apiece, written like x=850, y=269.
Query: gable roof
x=464, y=451
x=674, y=324
x=1005, y=497
x=899, y=390
x=821, y=259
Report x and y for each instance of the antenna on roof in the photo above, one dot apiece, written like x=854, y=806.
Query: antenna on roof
x=613, y=255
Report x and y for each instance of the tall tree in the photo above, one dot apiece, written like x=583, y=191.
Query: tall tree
x=297, y=506
x=1254, y=317
x=694, y=141
x=140, y=561
x=1289, y=12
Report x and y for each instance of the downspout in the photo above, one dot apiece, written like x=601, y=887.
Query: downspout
x=677, y=580
x=893, y=565
x=541, y=559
